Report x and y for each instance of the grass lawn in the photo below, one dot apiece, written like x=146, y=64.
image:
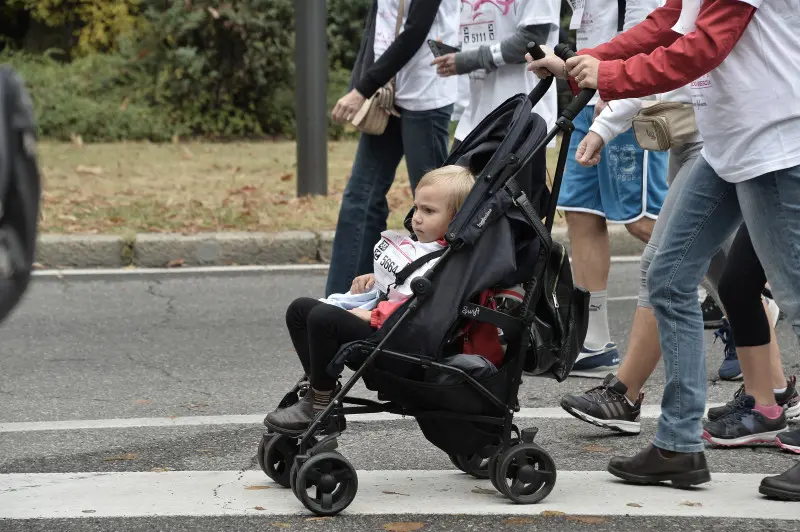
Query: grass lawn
x=194, y=187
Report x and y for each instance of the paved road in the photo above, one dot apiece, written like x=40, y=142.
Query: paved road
x=94, y=373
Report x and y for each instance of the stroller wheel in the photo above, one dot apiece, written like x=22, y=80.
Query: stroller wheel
x=525, y=473
x=276, y=454
x=474, y=464
x=326, y=483
x=454, y=460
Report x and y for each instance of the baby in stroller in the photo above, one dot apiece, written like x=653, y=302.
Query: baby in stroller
x=318, y=328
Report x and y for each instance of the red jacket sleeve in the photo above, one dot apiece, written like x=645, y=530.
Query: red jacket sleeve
x=382, y=312
x=719, y=26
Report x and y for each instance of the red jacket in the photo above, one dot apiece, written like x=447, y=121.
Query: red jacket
x=651, y=58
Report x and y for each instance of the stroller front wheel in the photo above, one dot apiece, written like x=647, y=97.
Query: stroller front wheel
x=525, y=473
x=326, y=483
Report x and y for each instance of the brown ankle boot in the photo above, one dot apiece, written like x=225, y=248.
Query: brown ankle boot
x=295, y=419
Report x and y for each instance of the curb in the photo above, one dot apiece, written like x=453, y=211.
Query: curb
x=159, y=250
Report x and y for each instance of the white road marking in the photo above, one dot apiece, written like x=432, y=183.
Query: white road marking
x=208, y=493
x=648, y=411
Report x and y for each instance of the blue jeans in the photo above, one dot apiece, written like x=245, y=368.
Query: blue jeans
x=707, y=212
x=422, y=136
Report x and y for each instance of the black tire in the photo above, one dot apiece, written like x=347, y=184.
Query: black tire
x=276, y=456
x=530, y=470
x=475, y=465
x=332, y=481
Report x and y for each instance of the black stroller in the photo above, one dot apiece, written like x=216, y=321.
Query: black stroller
x=497, y=239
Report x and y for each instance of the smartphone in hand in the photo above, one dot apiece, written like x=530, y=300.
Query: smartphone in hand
x=439, y=48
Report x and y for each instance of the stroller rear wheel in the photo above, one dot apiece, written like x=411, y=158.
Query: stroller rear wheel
x=474, y=464
x=525, y=473
x=276, y=454
x=326, y=483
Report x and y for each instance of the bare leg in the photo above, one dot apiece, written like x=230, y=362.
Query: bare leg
x=590, y=250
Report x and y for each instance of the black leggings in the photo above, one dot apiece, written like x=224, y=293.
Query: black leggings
x=740, y=289
x=318, y=330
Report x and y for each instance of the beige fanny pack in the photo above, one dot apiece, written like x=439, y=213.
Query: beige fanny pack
x=660, y=126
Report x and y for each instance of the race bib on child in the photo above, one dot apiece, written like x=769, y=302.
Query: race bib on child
x=393, y=252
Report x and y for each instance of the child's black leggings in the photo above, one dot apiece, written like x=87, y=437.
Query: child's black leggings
x=318, y=330
x=740, y=292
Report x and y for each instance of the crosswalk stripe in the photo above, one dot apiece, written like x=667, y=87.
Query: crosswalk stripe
x=649, y=411
x=225, y=493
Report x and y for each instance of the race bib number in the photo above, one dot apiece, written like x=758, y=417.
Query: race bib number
x=391, y=254
x=478, y=33
x=577, y=13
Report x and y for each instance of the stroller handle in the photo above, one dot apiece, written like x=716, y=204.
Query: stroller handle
x=584, y=97
x=543, y=86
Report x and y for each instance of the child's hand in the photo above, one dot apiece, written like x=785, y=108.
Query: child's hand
x=362, y=283
x=365, y=315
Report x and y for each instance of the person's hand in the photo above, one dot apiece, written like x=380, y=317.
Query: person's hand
x=362, y=283
x=584, y=69
x=588, y=152
x=549, y=65
x=347, y=106
x=365, y=315
x=599, y=109
x=445, y=65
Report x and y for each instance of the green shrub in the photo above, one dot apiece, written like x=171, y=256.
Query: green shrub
x=91, y=97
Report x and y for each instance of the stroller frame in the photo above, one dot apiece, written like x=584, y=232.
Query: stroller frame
x=309, y=455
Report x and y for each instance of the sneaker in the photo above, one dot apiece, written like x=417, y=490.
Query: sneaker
x=743, y=426
x=712, y=314
x=595, y=363
x=789, y=440
x=606, y=406
x=730, y=370
x=789, y=400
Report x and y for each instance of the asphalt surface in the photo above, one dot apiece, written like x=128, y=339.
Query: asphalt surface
x=197, y=345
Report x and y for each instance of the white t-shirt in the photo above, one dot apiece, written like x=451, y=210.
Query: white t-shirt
x=393, y=252
x=489, y=23
x=747, y=109
x=418, y=86
x=598, y=24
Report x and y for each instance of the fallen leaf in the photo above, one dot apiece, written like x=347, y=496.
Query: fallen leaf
x=287, y=177
x=93, y=170
x=281, y=525
x=402, y=527
x=88, y=511
x=161, y=469
x=395, y=493
x=143, y=401
x=483, y=491
x=552, y=513
x=176, y=263
x=518, y=521
x=323, y=518
x=690, y=503
x=634, y=504
x=257, y=487
x=38, y=266
x=259, y=507
x=126, y=456
x=596, y=449
x=587, y=519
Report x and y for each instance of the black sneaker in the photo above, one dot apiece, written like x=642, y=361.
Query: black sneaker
x=712, y=314
x=606, y=406
x=789, y=400
x=743, y=426
x=789, y=440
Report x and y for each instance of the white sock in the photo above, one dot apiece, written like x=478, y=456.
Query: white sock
x=597, y=335
x=777, y=391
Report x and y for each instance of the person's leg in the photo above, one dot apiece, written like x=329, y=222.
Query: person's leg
x=622, y=396
x=297, y=324
x=328, y=328
x=364, y=210
x=706, y=213
x=758, y=417
x=771, y=208
x=580, y=199
x=425, y=136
